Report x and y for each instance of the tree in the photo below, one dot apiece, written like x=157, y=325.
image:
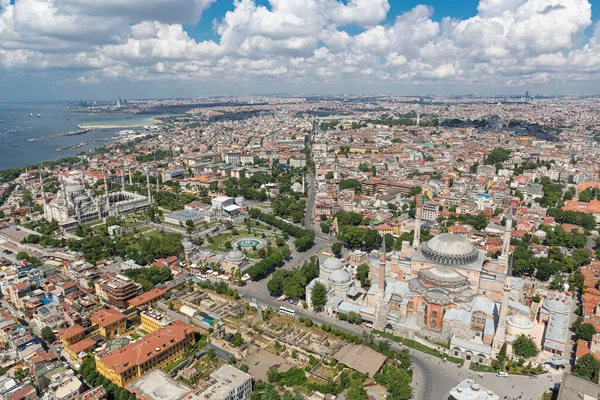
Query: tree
x=318, y=296
x=581, y=257
x=47, y=335
x=336, y=248
x=325, y=227
x=349, y=184
x=502, y=353
x=396, y=381
x=389, y=241
x=356, y=393
x=354, y=318
x=587, y=367
x=362, y=274
x=585, y=331
x=585, y=195
x=524, y=346
x=329, y=175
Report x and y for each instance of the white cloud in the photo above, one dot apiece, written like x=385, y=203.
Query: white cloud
x=302, y=41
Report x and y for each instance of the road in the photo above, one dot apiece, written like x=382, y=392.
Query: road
x=433, y=378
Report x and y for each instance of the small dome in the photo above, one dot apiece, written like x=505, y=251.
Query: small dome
x=332, y=264
x=339, y=277
x=82, y=198
x=235, y=255
x=556, y=306
x=188, y=246
x=520, y=321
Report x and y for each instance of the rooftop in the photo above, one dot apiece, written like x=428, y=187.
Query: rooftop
x=158, y=385
x=105, y=318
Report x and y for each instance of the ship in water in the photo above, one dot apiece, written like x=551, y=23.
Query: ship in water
x=31, y=114
x=39, y=115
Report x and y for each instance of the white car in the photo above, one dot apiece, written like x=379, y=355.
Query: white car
x=502, y=373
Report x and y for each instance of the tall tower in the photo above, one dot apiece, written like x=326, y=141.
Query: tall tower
x=418, y=215
x=418, y=119
x=157, y=181
x=148, y=186
x=130, y=178
x=500, y=335
x=381, y=280
x=106, y=192
x=504, y=257
x=42, y=189
x=122, y=178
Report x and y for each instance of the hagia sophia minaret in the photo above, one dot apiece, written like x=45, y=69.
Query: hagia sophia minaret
x=381, y=277
x=500, y=335
x=148, y=185
x=418, y=215
x=503, y=260
x=42, y=189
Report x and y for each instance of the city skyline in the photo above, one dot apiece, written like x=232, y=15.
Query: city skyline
x=73, y=49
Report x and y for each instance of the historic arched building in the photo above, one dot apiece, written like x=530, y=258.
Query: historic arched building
x=74, y=205
x=337, y=280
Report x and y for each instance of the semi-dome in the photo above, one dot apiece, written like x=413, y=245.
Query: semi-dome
x=187, y=246
x=332, y=264
x=74, y=188
x=450, y=249
x=339, y=277
x=235, y=255
x=520, y=321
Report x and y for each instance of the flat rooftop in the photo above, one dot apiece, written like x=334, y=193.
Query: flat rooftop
x=360, y=358
x=158, y=385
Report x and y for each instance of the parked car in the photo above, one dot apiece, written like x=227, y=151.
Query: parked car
x=532, y=376
x=502, y=374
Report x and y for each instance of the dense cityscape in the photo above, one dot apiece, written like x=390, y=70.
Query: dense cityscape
x=317, y=247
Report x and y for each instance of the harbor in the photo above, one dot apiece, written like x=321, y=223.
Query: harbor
x=69, y=133
x=82, y=144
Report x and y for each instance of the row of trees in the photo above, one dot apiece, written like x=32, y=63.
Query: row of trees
x=262, y=268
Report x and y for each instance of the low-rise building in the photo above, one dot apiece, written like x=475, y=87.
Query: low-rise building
x=110, y=322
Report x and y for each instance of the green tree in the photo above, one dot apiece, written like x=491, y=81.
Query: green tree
x=336, y=249
x=356, y=392
x=362, y=274
x=354, y=318
x=585, y=195
x=318, y=296
x=585, y=331
x=47, y=335
x=397, y=382
x=325, y=227
x=524, y=346
x=581, y=257
x=587, y=367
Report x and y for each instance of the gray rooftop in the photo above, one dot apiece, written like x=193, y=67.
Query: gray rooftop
x=158, y=385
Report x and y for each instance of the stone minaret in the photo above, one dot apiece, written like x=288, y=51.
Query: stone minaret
x=122, y=178
x=106, y=192
x=157, y=181
x=148, y=186
x=130, y=178
x=504, y=257
x=381, y=280
x=42, y=189
x=382, y=307
x=418, y=215
x=500, y=335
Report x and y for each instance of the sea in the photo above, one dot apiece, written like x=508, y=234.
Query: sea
x=17, y=126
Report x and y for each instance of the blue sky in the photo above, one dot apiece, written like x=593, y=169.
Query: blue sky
x=460, y=9
x=125, y=48
x=443, y=8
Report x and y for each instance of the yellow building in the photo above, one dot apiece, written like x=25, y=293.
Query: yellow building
x=109, y=322
x=155, y=350
x=72, y=334
x=153, y=320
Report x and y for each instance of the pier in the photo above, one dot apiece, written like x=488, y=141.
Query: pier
x=69, y=133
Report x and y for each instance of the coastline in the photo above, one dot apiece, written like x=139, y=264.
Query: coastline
x=137, y=124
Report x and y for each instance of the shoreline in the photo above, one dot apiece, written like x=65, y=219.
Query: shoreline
x=151, y=121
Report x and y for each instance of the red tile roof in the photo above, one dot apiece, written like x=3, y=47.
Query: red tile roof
x=71, y=331
x=104, y=318
x=147, y=297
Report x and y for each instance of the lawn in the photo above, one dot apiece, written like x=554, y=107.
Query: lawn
x=174, y=364
x=413, y=344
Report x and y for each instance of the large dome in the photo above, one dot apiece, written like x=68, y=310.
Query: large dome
x=556, y=306
x=520, y=321
x=235, y=255
x=450, y=249
x=339, y=277
x=332, y=264
x=187, y=246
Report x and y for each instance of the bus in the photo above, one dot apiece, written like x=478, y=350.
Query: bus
x=287, y=311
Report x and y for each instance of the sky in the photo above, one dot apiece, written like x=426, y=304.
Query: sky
x=89, y=49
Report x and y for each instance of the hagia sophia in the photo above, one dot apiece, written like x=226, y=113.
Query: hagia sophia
x=445, y=290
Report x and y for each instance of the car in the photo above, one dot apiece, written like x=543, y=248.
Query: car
x=502, y=374
x=533, y=376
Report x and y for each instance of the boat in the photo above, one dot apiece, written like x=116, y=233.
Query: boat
x=31, y=114
x=12, y=113
x=39, y=115
x=1, y=121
